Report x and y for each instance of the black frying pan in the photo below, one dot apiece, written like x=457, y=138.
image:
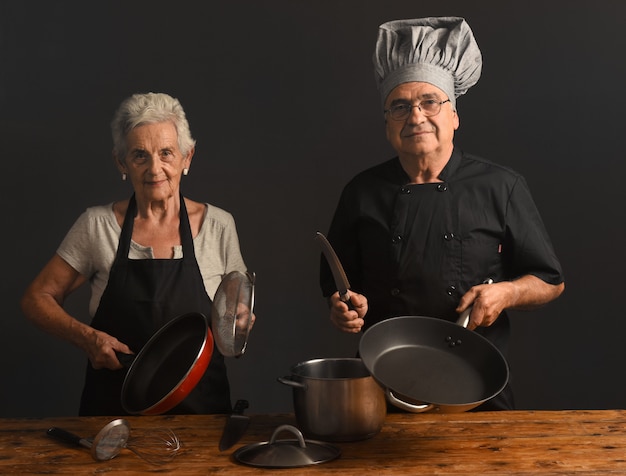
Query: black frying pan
x=428, y=364
x=169, y=366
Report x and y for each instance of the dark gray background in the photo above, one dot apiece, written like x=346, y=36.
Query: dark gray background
x=281, y=99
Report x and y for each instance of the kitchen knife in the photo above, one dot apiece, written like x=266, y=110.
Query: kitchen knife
x=236, y=425
x=339, y=275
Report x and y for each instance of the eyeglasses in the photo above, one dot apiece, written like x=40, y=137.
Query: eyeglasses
x=428, y=107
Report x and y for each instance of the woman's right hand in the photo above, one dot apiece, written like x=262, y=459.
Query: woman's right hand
x=344, y=318
x=42, y=303
x=101, y=348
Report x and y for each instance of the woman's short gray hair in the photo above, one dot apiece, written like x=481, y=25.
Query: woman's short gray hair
x=149, y=108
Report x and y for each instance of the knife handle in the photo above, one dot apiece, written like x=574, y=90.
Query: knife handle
x=240, y=406
x=346, y=299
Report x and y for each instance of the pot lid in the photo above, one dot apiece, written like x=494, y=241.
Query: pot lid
x=231, y=313
x=286, y=453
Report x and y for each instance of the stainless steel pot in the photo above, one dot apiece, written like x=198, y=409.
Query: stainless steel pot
x=336, y=399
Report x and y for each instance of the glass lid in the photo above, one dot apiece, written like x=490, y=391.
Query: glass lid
x=232, y=311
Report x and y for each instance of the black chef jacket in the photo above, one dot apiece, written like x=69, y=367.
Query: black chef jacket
x=415, y=249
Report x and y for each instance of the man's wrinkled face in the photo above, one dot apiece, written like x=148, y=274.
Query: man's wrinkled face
x=418, y=134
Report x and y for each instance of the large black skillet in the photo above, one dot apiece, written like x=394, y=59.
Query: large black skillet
x=429, y=364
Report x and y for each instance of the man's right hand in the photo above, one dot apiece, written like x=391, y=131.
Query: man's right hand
x=346, y=319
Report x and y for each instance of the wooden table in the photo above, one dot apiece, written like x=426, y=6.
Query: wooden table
x=511, y=443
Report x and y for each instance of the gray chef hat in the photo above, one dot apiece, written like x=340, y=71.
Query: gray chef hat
x=441, y=51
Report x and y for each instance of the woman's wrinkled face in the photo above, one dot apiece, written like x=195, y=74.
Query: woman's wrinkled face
x=419, y=135
x=153, y=162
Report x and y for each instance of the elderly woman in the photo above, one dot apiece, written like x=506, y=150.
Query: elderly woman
x=147, y=259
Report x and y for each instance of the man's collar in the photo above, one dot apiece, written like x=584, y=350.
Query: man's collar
x=447, y=172
x=451, y=166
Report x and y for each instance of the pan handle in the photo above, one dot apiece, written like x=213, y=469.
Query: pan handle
x=125, y=359
x=464, y=318
x=291, y=383
x=409, y=407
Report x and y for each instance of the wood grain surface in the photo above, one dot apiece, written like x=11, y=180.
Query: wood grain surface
x=511, y=443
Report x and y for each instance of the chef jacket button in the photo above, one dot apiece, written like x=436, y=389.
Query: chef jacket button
x=442, y=187
x=396, y=239
x=451, y=290
x=395, y=291
x=405, y=190
x=448, y=236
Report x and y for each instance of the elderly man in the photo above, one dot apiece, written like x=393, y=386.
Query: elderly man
x=422, y=233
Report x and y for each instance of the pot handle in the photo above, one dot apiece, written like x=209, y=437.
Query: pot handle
x=409, y=407
x=291, y=383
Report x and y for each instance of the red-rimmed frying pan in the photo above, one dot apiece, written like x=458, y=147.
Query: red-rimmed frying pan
x=169, y=366
x=429, y=364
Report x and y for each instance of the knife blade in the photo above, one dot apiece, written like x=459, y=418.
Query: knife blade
x=236, y=425
x=339, y=275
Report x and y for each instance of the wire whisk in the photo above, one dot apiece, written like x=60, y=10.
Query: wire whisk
x=159, y=446
x=155, y=446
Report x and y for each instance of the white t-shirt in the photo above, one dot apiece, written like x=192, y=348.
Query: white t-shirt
x=91, y=244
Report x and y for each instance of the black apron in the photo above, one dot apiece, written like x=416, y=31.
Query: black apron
x=141, y=296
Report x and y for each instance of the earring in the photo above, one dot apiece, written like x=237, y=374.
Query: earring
x=124, y=176
x=185, y=171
